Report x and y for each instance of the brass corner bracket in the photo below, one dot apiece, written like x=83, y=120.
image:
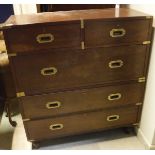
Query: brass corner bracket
x=26, y=119
x=20, y=94
x=148, y=17
x=12, y=54
x=82, y=24
x=141, y=79
x=82, y=45
x=31, y=140
x=136, y=124
x=138, y=103
x=146, y=42
x=5, y=26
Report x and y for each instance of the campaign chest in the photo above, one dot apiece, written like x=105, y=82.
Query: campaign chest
x=78, y=72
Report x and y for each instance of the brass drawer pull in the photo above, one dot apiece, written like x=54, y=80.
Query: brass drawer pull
x=54, y=104
x=49, y=71
x=45, y=38
x=112, y=118
x=117, y=32
x=115, y=64
x=116, y=96
x=56, y=126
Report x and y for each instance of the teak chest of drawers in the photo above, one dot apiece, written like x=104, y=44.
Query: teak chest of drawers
x=78, y=72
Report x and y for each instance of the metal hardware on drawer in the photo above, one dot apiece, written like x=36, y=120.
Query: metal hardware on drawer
x=146, y=42
x=117, y=32
x=20, y=94
x=142, y=79
x=82, y=45
x=5, y=26
x=115, y=64
x=1, y=26
x=26, y=119
x=112, y=118
x=52, y=105
x=2, y=52
x=45, y=38
x=138, y=103
x=136, y=124
x=31, y=140
x=82, y=24
x=116, y=96
x=12, y=54
x=56, y=126
x=48, y=71
x=148, y=17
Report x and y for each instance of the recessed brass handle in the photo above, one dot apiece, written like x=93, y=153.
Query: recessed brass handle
x=117, y=32
x=112, y=118
x=53, y=104
x=48, y=71
x=56, y=126
x=45, y=38
x=115, y=64
x=116, y=96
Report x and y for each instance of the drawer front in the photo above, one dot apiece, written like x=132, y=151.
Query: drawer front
x=58, y=70
x=81, y=100
x=99, y=32
x=28, y=38
x=80, y=123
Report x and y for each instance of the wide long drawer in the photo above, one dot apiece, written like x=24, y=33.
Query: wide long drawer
x=48, y=35
x=81, y=123
x=61, y=69
x=61, y=103
x=101, y=32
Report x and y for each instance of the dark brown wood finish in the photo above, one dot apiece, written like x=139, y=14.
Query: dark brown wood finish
x=97, y=29
x=54, y=104
x=64, y=35
x=81, y=123
x=92, y=54
x=76, y=68
x=97, y=33
x=42, y=18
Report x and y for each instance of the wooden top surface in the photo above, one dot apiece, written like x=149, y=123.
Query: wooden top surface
x=72, y=16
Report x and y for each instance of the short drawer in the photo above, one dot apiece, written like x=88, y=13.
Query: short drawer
x=101, y=32
x=80, y=123
x=63, y=69
x=81, y=100
x=45, y=36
